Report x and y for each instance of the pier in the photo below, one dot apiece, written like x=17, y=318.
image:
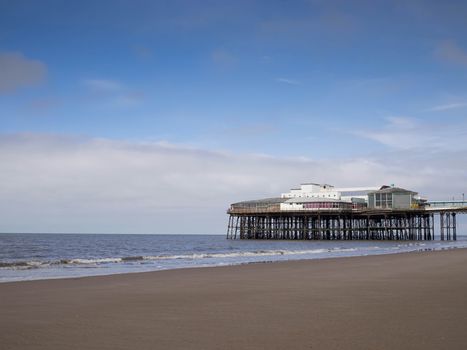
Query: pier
x=328, y=214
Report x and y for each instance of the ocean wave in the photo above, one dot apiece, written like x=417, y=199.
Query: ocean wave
x=219, y=258
x=23, y=264
x=194, y=256
x=246, y=254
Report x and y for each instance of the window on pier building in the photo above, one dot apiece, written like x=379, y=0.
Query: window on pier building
x=383, y=200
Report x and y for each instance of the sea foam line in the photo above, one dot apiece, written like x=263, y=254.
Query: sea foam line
x=129, y=259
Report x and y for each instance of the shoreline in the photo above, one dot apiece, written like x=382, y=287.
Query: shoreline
x=391, y=301
x=421, y=250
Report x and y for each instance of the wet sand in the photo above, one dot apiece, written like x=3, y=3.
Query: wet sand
x=401, y=301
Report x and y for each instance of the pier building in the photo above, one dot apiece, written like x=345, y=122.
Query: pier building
x=394, y=198
x=321, y=211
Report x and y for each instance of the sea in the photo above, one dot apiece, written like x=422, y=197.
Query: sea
x=47, y=256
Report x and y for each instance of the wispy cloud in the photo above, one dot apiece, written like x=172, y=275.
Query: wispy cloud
x=447, y=106
x=288, y=81
x=103, y=85
x=451, y=52
x=113, y=93
x=402, y=133
x=17, y=71
x=397, y=133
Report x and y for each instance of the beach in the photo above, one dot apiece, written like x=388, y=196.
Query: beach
x=395, y=301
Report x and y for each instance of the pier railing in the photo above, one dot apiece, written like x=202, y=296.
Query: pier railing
x=437, y=205
x=313, y=211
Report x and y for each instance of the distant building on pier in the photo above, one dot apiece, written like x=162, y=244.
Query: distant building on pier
x=393, y=198
x=313, y=196
x=314, y=190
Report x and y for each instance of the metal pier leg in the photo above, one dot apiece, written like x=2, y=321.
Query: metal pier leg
x=441, y=225
x=454, y=233
x=433, y=227
x=368, y=227
x=229, y=228
x=448, y=227
x=420, y=226
x=425, y=228
x=385, y=223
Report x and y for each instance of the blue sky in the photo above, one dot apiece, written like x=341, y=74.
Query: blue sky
x=317, y=83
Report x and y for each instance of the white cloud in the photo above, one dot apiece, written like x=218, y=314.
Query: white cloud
x=448, y=107
x=401, y=133
x=17, y=71
x=63, y=184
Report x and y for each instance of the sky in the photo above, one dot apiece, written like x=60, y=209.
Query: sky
x=153, y=116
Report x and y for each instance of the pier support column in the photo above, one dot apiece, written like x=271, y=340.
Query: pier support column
x=454, y=233
x=441, y=225
x=448, y=226
x=228, y=227
x=367, y=227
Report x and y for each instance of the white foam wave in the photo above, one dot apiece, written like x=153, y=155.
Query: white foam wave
x=20, y=265
x=238, y=254
x=91, y=261
x=219, y=258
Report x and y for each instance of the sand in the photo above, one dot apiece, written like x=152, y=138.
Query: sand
x=400, y=301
